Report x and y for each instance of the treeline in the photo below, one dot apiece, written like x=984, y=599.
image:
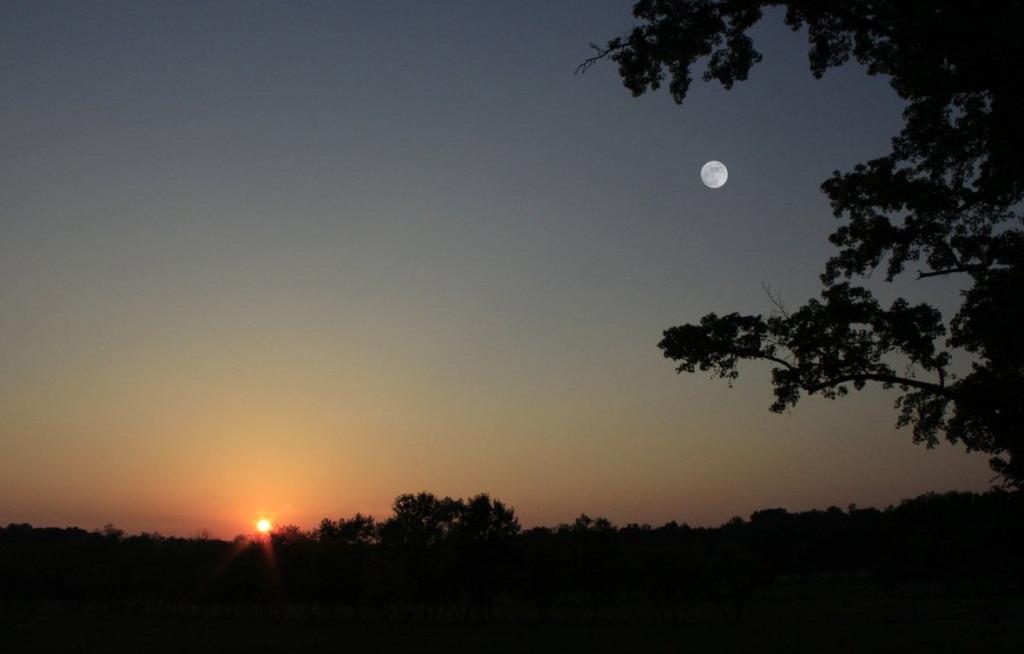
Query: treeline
x=440, y=559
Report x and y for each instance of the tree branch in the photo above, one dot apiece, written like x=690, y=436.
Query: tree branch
x=615, y=44
x=776, y=300
x=981, y=267
x=781, y=362
x=945, y=271
x=885, y=379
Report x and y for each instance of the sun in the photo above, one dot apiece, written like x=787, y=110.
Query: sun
x=263, y=525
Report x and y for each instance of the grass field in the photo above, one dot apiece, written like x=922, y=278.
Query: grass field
x=790, y=619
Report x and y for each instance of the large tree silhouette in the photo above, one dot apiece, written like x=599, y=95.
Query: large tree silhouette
x=944, y=202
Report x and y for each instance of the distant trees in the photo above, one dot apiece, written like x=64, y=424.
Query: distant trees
x=946, y=201
x=359, y=530
x=442, y=559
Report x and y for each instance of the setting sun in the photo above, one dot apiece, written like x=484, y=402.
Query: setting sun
x=263, y=525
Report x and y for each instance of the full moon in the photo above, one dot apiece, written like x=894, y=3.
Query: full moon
x=714, y=174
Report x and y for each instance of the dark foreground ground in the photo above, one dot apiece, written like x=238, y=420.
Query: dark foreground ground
x=818, y=620
x=36, y=634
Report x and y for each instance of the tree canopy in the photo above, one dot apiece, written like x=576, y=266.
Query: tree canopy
x=946, y=201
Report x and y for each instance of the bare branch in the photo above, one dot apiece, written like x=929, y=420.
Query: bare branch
x=776, y=300
x=613, y=45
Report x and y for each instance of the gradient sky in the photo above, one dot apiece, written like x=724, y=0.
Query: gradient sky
x=297, y=258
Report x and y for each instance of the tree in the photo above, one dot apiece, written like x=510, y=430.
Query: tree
x=420, y=520
x=483, y=520
x=946, y=200
x=359, y=530
x=417, y=536
x=346, y=561
x=482, y=535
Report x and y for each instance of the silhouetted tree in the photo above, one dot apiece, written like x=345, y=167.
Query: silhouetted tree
x=675, y=573
x=416, y=535
x=420, y=521
x=597, y=564
x=947, y=198
x=481, y=536
x=345, y=561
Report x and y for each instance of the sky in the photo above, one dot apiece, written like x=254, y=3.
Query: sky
x=294, y=259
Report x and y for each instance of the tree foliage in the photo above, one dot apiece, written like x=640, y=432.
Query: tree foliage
x=945, y=201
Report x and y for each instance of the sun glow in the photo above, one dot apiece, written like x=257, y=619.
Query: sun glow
x=263, y=525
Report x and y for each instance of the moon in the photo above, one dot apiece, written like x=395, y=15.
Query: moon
x=714, y=174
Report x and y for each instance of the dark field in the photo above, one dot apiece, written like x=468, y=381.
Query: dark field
x=785, y=618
